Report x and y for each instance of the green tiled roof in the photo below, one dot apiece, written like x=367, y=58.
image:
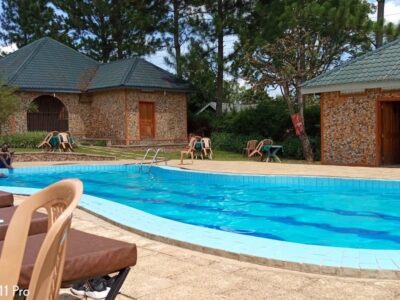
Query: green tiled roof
x=377, y=69
x=135, y=73
x=47, y=65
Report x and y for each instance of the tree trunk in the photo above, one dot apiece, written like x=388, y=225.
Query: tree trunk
x=305, y=141
x=220, y=59
x=307, y=150
x=177, y=45
x=303, y=137
x=380, y=19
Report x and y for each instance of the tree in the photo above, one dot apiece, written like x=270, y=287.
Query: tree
x=287, y=42
x=24, y=21
x=9, y=103
x=198, y=68
x=214, y=20
x=384, y=32
x=113, y=29
x=177, y=31
x=380, y=22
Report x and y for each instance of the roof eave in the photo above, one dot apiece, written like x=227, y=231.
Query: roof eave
x=146, y=88
x=351, y=87
x=48, y=90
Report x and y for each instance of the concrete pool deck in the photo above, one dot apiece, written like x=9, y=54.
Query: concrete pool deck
x=256, y=167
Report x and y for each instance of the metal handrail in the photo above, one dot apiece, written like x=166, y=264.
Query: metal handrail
x=154, y=159
x=145, y=156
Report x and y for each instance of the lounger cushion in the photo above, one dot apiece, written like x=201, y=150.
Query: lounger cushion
x=6, y=199
x=87, y=256
x=38, y=223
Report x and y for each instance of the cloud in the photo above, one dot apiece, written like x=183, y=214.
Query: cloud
x=392, y=11
x=8, y=49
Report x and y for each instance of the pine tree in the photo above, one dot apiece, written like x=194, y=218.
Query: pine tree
x=24, y=21
x=113, y=29
x=177, y=31
x=380, y=22
x=213, y=21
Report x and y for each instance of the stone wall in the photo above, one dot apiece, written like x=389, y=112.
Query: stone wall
x=106, y=116
x=348, y=127
x=55, y=156
x=114, y=115
x=170, y=116
x=76, y=112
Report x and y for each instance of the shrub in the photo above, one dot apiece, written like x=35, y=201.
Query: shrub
x=270, y=119
x=292, y=147
x=312, y=120
x=24, y=140
x=231, y=142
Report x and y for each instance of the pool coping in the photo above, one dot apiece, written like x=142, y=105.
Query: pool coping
x=347, y=262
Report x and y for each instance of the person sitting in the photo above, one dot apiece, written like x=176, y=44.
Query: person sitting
x=190, y=148
x=6, y=157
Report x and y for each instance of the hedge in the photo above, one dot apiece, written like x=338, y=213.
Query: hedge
x=29, y=139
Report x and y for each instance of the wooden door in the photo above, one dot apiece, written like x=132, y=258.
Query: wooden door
x=146, y=120
x=390, y=116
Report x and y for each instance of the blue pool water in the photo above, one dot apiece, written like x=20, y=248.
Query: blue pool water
x=308, y=210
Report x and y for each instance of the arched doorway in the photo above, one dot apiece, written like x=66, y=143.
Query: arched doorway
x=50, y=115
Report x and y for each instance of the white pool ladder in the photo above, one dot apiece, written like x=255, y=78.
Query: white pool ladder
x=155, y=158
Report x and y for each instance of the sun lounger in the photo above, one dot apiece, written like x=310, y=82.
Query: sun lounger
x=198, y=148
x=258, y=150
x=190, y=149
x=38, y=222
x=50, y=142
x=6, y=199
x=87, y=255
x=65, y=142
x=250, y=147
x=7, y=210
x=207, y=150
x=59, y=200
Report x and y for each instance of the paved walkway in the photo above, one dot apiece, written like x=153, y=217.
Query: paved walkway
x=255, y=167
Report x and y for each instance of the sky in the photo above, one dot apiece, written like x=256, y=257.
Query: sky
x=392, y=14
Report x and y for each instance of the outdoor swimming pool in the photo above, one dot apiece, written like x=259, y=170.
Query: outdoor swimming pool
x=333, y=212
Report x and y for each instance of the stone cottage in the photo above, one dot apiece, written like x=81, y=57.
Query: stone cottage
x=360, y=109
x=129, y=102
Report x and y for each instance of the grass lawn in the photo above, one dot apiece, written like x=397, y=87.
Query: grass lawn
x=123, y=153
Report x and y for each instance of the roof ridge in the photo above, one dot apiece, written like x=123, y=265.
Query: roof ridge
x=157, y=67
x=350, y=62
x=130, y=70
x=117, y=61
x=27, y=59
